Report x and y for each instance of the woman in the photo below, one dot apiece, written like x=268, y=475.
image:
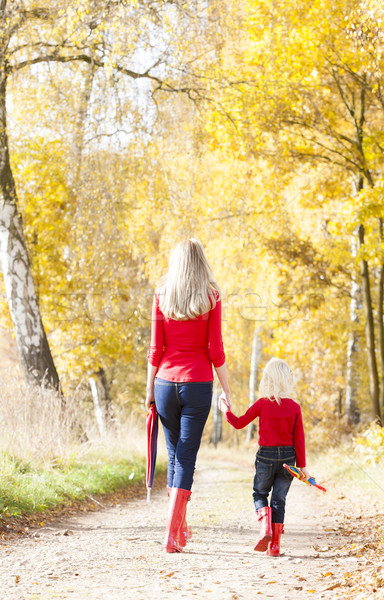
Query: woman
x=185, y=342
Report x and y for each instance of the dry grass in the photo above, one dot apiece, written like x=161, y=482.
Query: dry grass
x=51, y=457
x=35, y=429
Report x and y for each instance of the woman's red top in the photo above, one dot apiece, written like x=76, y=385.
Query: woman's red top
x=279, y=424
x=186, y=350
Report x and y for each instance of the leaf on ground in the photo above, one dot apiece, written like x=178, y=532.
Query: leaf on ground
x=333, y=587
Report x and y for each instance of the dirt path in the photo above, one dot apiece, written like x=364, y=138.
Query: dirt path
x=115, y=554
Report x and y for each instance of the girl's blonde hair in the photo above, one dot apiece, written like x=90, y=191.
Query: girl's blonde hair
x=188, y=289
x=277, y=381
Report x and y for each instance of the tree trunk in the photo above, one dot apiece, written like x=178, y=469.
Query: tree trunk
x=340, y=405
x=31, y=339
x=217, y=417
x=253, y=378
x=352, y=414
x=107, y=401
x=97, y=407
x=380, y=318
x=101, y=401
x=370, y=333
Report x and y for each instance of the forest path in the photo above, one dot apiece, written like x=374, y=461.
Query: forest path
x=116, y=554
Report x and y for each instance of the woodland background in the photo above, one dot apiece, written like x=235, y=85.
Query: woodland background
x=126, y=126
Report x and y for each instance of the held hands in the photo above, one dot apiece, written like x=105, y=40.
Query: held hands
x=224, y=402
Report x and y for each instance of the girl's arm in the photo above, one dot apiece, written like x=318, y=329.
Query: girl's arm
x=239, y=422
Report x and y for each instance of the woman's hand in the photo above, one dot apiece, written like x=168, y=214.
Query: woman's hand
x=150, y=398
x=224, y=402
x=150, y=385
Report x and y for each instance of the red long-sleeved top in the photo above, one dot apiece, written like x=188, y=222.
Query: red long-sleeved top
x=279, y=424
x=186, y=350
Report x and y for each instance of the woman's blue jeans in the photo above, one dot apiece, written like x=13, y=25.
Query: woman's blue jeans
x=183, y=409
x=271, y=475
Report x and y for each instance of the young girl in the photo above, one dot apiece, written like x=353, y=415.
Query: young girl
x=281, y=440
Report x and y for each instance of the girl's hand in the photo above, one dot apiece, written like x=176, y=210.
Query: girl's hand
x=224, y=402
x=306, y=472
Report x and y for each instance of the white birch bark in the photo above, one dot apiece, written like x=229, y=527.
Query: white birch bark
x=98, y=408
x=253, y=376
x=352, y=349
x=32, y=344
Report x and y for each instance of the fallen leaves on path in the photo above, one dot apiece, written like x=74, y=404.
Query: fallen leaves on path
x=366, y=580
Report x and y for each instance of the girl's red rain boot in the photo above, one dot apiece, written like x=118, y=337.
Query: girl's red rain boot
x=274, y=545
x=176, y=509
x=265, y=520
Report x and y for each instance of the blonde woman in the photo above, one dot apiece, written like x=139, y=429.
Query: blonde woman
x=185, y=342
x=281, y=440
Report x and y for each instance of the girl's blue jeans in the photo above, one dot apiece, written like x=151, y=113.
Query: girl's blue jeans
x=183, y=409
x=271, y=475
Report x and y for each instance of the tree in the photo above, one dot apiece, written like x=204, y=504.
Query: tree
x=306, y=97
x=97, y=35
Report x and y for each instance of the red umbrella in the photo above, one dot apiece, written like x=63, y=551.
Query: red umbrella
x=152, y=431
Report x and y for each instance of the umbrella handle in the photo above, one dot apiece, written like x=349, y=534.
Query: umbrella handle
x=148, y=495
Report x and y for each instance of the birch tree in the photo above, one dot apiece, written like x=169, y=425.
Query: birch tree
x=112, y=36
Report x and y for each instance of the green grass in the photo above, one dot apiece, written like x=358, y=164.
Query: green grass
x=25, y=489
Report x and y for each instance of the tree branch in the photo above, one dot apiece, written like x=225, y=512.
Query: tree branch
x=327, y=149
x=56, y=57
x=37, y=13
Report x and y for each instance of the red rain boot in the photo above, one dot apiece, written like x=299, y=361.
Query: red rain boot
x=265, y=520
x=185, y=532
x=274, y=544
x=176, y=514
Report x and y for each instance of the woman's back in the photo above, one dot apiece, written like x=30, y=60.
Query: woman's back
x=185, y=349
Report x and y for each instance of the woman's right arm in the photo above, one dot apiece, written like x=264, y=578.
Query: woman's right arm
x=222, y=375
x=216, y=349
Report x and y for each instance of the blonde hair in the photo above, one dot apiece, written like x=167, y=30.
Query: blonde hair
x=188, y=289
x=277, y=381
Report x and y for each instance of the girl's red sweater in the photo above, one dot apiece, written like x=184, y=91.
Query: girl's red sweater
x=185, y=350
x=279, y=424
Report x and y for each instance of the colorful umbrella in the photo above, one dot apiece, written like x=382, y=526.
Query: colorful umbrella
x=296, y=472
x=152, y=431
